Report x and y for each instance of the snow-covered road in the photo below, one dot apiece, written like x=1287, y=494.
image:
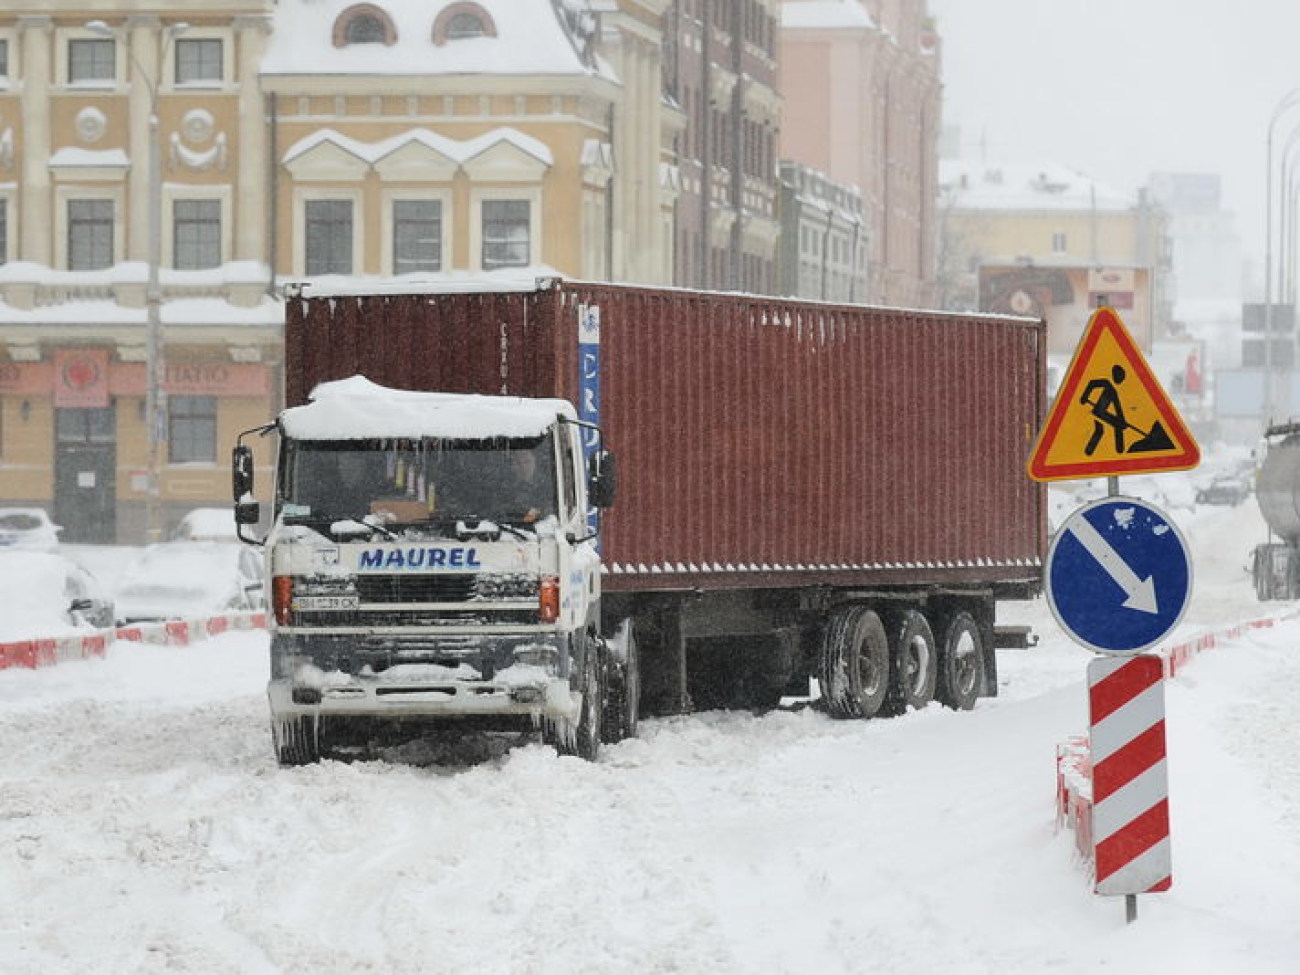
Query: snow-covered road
x=144, y=827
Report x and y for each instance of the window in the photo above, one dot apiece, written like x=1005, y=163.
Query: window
x=4, y=58
x=465, y=25
x=196, y=234
x=93, y=425
x=4, y=231
x=328, y=237
x=1058, y=243
x=198, y=60
x=462, y=20
x=365, y=29
x=92, y=59
x=192, y=428
x=90, y=235
x=417, y=236
x=505, y=233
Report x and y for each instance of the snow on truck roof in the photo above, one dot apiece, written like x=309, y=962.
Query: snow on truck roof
x=358, y=409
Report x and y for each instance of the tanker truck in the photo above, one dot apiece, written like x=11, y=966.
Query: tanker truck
x=1275, y=565
x=812, y=499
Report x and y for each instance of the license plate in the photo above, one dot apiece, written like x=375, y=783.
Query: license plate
x=326, y=602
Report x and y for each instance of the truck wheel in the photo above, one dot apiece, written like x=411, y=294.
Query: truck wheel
x=961, y=663
x=297, y=740
x=854, y=663
x=622, y=688
x=583, y=739
x=914, y=663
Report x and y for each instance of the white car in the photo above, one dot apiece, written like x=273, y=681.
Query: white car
x=28, y=528
x=46, y=593
x=184, y=579
x=207, y=524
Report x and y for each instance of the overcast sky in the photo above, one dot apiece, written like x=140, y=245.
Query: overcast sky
x=1119, y=89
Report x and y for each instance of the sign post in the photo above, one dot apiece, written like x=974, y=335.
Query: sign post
x=1118, y=579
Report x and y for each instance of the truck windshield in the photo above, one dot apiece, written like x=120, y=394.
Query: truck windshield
x=419, y=482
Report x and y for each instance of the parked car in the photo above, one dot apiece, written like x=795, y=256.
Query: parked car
x=207, y=524
x=28, y=528
x=46, y=592
x=1226, y=489
x=183, y=579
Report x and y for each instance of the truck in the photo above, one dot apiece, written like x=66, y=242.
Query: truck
x=1275, y=563
x=815, y=500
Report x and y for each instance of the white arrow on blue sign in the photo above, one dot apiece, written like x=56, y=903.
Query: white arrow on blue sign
x=1118, y=575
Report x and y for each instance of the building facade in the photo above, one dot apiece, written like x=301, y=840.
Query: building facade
x=824, y=238
x=178, y=163
x=860, y=87
x=1044, y=240
x=720, y=75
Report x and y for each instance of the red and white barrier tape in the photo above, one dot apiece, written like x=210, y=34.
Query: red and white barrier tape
x=47, y=651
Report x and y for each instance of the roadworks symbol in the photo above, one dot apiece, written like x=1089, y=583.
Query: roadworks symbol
x=1111, y=415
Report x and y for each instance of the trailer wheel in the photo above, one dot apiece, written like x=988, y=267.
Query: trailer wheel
x=961, y=663
x=914, y=663
x=854, y=663
x=582, y=739
x=623, y=687
x=297, y=740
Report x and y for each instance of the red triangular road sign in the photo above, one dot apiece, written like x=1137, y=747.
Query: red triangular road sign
x=1111, y=415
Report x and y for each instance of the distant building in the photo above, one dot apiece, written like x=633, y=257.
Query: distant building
x=720, y=74
x=860, y=88
x=824, y=238
x=1045, y=240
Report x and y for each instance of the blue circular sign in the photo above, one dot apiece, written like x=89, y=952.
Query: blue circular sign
x=1118, y=575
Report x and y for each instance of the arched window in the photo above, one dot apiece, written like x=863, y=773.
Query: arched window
x=459, y=21
x=465, y=25
x=364, y=29
x=364, y=24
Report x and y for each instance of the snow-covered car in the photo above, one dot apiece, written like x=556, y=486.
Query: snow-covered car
x=1226, y=489
x=207, y=524
x=28, y=528
x=187, y=579
x=45, y=593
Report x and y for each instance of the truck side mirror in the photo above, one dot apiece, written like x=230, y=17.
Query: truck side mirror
x=601, y=479
x=241, y=471
x=247, y=512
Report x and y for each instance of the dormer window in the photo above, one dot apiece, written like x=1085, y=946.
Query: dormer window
x=460, y=21
x=364, y=24
x=365, y=29
x=465, y=25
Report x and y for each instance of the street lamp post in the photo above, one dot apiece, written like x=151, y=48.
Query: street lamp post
x=155, y=407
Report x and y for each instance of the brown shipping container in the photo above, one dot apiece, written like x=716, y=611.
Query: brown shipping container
x=761, y=442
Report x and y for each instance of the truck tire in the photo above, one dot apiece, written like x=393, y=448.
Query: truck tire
x=297, y=740
x=854, y=663
x=582, y=739
x=914, y=662
x=622, y=687
x=961, y=663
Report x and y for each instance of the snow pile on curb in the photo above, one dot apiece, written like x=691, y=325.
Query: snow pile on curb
x=48, y=651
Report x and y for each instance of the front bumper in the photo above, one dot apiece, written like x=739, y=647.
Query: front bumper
x=519, y=677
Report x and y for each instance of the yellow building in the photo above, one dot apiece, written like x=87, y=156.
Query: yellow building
x=284, y=141
x=1047, y=241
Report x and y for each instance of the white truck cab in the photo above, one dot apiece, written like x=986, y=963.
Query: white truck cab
x=433, y=558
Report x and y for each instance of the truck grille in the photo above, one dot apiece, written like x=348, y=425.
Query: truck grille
x=418, y=588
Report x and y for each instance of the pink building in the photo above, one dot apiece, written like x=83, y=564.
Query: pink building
x=860, y=84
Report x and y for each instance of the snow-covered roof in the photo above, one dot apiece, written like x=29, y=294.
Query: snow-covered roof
x=825, y=13
x=973, y=185
x=356, y=409
x=529, y=39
